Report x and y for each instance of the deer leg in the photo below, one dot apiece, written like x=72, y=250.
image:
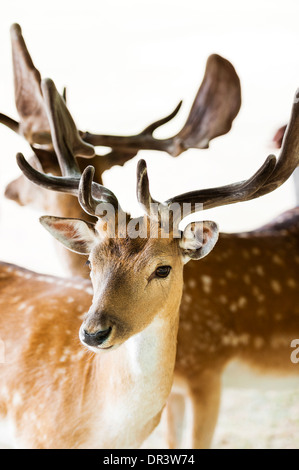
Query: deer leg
x=205, y=398
x=191, y=415
x=175, y=414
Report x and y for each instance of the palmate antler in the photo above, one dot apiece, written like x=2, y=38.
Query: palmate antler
x=216, y=105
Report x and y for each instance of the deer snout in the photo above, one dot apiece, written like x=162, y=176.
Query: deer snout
x=97, y=338
x=96, y=330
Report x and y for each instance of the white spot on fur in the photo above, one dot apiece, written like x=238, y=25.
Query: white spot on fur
x=276, y=287
x=257, y=293
x=291, y=283
x=49, y=280
x=206, y=283
x=65, y=355
x=22, y=306
x=242, y=301
x=231, y=339
x=260, y=311
x=258, y=342
x=192, y=283
x=17, y=399
x=277, y=260
x=278, y=342
x=260, y=270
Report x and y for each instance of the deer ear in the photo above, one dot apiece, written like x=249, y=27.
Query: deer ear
x=198, y=239
x=75, y=234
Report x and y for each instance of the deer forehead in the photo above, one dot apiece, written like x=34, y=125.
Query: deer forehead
x=135, y=254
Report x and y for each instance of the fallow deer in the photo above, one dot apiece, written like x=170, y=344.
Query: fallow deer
x=259, y=337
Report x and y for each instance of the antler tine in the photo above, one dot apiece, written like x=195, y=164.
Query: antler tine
x=216, y=104
x=91, y=194
x=134, y=143
x=149, y=130
x=143, y=193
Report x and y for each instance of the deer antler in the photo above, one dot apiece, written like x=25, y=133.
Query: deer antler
x=66, y=142
x=216, y=104
x=272, y=174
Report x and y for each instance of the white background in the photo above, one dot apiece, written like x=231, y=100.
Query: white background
x=128, y=63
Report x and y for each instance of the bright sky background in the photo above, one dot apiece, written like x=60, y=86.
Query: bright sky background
x=128, y=63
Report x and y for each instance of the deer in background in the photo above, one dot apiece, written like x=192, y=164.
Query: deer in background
x=215, y=106
x=243, y=323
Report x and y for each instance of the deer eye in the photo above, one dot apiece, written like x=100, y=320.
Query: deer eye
x=162, y=271
x=88, y=263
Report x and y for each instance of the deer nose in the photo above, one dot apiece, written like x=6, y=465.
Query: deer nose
x=97, y=338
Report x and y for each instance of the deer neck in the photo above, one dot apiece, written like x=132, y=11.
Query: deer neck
x=138, y=378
